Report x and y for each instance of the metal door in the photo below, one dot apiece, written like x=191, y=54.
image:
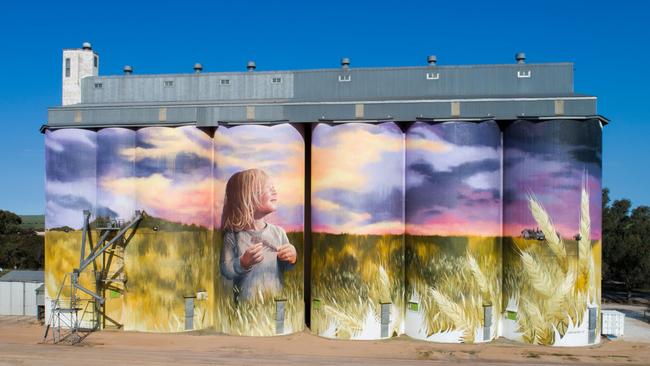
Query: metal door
x=189, y=313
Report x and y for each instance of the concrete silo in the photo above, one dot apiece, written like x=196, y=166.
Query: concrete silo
x=552, y=226
x=453, y=226
x=263, y=297
x=357, y=203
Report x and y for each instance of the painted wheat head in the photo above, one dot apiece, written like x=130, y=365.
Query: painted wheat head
x=594, y=289
x=479, y=277
x=450, y=309
x=546, y=225
x=555, y=303
x=534, y=318
x=584, y=244
x=538, y=275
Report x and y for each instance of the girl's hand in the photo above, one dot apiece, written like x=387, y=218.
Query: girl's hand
x=253, y=255
x=287, y=253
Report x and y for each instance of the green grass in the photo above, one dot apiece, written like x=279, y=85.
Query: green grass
x=33, y=222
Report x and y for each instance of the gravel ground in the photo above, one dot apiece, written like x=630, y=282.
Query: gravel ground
x=20, y=344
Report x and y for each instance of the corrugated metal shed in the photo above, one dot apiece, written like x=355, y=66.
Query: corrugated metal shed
x=18, y=292
x=23, y=276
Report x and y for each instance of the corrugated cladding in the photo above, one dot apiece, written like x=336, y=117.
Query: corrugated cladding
x=399, y=93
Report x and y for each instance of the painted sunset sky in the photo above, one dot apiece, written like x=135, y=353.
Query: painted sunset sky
x=453, y=179
x=551, y=160
x=178, y=174
x=173, y=174
x=357, y=179
x=451, y=173
x=70, y=176
x=113, y=164
x=279, y=151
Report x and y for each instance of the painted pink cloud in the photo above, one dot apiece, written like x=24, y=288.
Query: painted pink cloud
x=453, y=179
x=552, y=161
x=357, y=179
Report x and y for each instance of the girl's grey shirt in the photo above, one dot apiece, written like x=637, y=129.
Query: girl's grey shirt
x=266, y=275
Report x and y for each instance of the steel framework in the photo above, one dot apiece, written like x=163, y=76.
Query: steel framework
x=77, y=310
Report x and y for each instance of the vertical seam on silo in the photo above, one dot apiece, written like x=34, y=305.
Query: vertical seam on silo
x=502, y=132
x=404, y=295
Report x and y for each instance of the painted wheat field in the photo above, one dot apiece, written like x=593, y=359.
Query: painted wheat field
x=352, y=275
x=550, y=284
x=61, y=257
x=160, y=269
x=257, y=317
x=547, y=298
x=450, y=282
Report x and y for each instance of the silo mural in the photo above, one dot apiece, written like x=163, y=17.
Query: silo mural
x=115, y=205
x=169, y=266
x=552, y=227
x=259, y=216
x=70, y=188
x=357, y=204
x=495, y=233
x=453, y=226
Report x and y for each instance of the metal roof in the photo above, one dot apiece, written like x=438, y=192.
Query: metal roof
x=23, y=276
x=502, y=92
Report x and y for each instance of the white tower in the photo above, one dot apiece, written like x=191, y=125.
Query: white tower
x=77, y=64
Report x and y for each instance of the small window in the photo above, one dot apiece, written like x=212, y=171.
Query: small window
x=95, y=61
x=521, y=74
x=345, y=78
x=98, y=85
x=433, y=76
x=276, y=80
x=67, y=67
x=224, y=81
x=168, y=83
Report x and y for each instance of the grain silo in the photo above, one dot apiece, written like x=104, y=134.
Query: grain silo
x=266, y=299
x=552, y=226
x=352, y=198
x=357, y=207
x=453, y=226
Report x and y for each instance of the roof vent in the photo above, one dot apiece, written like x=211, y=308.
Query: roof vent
x=251, y=66
x=128, y=70
x=345, y=63
x=198, y=68
x=86, y=46
x=431, y=60
x=520, y=57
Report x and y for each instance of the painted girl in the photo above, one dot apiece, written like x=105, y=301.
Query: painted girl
x=255, y=253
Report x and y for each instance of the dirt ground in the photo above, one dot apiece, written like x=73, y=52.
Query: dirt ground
x=20, y=345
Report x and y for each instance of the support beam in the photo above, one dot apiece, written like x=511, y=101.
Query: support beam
x=83, y=234
x=96, y=254
x=87, y=291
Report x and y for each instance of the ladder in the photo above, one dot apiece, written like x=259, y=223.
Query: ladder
x=76, y=309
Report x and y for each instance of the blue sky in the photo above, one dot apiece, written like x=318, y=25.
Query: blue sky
x=607, y=41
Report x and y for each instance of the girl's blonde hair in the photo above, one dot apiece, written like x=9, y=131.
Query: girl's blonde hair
x=243, y=192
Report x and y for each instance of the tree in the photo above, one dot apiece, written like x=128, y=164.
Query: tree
x=19, y=248
x=626, y=243
x=9, y=222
